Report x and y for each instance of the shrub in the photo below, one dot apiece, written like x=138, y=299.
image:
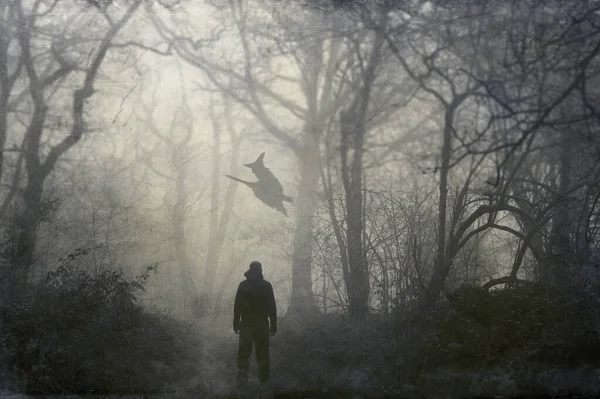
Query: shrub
x=83, y=332
x=477, y=328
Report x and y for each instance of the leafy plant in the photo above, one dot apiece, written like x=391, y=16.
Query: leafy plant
x=80, y=331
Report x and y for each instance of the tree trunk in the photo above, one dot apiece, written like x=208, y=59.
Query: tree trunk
x=218, y=225
x=5, y=86
x=180, y=242
x=560, y=240
x=302, y=300
x=352, y=129
x=324, y=291
x=385, y=299
x=214, y=247
x=443, y=264
x=26, y=227
x=358, y=289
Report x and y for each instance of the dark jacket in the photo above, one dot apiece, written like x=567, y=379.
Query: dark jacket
x=255, y=303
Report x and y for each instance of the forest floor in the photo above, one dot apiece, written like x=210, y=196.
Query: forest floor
x=331, y=358
x=334, y=359
x=329, y=361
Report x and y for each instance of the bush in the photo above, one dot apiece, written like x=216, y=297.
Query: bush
x=83, y=332
x=477, y=328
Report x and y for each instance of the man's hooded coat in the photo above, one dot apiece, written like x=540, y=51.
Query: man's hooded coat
x=255, y=303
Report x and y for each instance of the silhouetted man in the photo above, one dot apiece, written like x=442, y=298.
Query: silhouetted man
x=253, y=309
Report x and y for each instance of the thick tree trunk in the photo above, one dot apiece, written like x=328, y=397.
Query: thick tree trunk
x=218, y=224
x=302, y=301
x=443, y=262
x=4, y=95
x=358, y=289
x=180, y=243
x=214, y=247
x=358, y=292
x=26, y=228
x=352, y=129
x=26, y=222
x=560, y=240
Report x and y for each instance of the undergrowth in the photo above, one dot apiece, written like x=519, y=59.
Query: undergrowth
x=82, y=332
x=525, y=324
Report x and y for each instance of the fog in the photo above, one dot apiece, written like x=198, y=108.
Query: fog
x=118, y=181
x=441, y=164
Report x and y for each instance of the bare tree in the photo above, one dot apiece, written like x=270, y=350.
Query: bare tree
x=219, y=218
x=26, y=26
x=299, y=121
x=179, y=151
x=455, y=63
x=353, y=125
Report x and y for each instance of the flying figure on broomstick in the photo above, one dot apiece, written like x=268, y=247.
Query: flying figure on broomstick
x=267, y=188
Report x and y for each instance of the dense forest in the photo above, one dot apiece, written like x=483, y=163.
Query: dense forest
x=441, y=237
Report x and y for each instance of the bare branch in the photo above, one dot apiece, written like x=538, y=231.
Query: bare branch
x=86, y=91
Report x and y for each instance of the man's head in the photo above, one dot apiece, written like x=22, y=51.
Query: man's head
x=255, y=271
x=256, y=267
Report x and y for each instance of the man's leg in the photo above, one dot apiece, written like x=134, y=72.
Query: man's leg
x=263, y=360
x=243, y=359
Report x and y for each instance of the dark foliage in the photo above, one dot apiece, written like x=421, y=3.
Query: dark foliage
x=79, y=332
x=82, y=332
x=526, y=324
